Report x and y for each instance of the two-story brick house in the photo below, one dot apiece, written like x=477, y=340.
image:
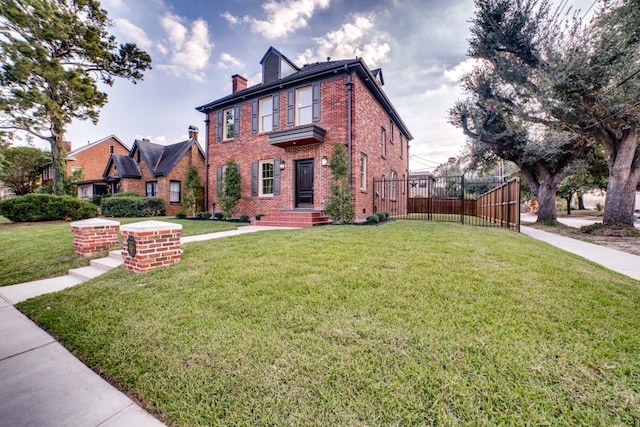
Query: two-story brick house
x=90, y=159
x=155, y=170
x=282, y=131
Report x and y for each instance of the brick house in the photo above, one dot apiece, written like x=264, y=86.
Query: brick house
x=281, y=133
x=154, y=170
x=90, y=159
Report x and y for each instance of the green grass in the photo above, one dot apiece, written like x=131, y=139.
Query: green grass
x=407, y=323
x=39, y=250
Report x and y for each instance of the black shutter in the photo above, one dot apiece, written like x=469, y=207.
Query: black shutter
x=254, y=178
x=219, y=181
x=276, y=177
x=291, y=102
x=315, y=102
x=254, y=116
x=276, y=111
x=219, y=128
x=236, y=121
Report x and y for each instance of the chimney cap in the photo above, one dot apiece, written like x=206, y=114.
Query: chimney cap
x=193, y=128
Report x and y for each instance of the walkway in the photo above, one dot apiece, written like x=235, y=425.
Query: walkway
x=43, y=384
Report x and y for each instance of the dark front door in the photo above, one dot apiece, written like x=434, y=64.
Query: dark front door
x=304, y=183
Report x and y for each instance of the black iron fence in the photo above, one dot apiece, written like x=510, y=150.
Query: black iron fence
x=482, y=202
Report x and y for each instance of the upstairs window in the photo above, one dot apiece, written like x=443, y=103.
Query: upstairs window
x=383, y=142
x=266, y=114
x=229, y=123
x=303, y=106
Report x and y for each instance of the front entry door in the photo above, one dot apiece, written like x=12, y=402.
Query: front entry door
x=304, y=183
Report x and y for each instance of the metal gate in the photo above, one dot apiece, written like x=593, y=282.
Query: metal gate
x=489, y=202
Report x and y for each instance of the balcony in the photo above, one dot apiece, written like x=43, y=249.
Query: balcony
x=298, y=136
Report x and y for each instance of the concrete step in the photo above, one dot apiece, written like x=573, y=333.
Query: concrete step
x=107, y=263
x=116, y=254
x=86, y=273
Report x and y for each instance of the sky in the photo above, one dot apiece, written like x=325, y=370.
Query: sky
x=197, y=45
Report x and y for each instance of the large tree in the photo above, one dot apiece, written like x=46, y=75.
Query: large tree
x=20, y=168
x=565, y=74
x=53, y=54
x=487, y=117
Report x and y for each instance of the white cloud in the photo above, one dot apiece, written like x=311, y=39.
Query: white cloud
x=228, y=61
x=357, y=38
x=133, y=32
x=233, y=20
x=457, y=72
x=189, y=48
x=282, y=17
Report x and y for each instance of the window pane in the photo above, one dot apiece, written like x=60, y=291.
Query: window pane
x=303, y=104
x=174, y=193
x=228, y=122
x=267, y=123
x=267, y=177
x=266, y=114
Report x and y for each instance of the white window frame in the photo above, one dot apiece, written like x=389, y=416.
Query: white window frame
x=393, y=186
x=173, y=192
x=383, y=142
x=228, y=123
x=384, y=185
x=363, y=172
x=262, y=180
x=302, y=108
x=265, y=110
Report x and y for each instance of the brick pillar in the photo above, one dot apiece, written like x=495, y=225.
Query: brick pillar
x=94, y=235
x=150, y=244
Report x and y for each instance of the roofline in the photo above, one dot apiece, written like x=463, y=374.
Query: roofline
x=92, y=144
x=343, y=68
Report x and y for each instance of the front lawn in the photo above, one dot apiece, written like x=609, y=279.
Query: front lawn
x=33, y=251
x=408, y=323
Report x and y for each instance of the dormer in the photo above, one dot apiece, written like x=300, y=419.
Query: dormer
x=276, y=66
x=377, y=74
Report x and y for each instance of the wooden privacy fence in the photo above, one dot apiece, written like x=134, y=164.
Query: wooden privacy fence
x=483, y=202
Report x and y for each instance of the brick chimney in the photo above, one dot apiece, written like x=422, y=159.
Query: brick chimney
x=193, y=132
x=238, y=83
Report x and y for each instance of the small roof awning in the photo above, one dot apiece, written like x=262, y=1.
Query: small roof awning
x=298, y=136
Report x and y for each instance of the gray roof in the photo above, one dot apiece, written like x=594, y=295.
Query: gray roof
x=125, y=165
x=160, y=159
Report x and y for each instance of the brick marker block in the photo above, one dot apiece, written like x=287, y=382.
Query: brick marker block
x=150, y=244
x=94, y=235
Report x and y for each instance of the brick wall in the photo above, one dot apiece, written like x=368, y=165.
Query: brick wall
x=157, y=244
x=94, y=235
x=93, y=158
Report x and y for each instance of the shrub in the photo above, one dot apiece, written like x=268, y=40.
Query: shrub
x=133, y=207
x=599, y=206
x=218, y=215
x=125, y=194
x=204, y=215
x=373, y=219
x=244, y=218
x=46, y=207
x=181, y=215
x=258, y=216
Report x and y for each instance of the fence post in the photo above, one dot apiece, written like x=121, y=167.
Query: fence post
x=462, y=200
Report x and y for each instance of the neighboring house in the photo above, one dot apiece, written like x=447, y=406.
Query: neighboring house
x=90, y=159
x=154, y=170
x=282, y=131
x=421, y=184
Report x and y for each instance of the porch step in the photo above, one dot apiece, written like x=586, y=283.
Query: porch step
x=297, y=218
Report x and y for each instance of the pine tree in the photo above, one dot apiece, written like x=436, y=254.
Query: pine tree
x=192, y=192
x=230, y=189
x=340, y=207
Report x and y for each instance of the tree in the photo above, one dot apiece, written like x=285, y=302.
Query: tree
x=230, y=189
x=192, y=192
x=53, y=52
x=576, y=181
x=21, y=168
x=573, y=77
x=488, y=118
x=340, y=207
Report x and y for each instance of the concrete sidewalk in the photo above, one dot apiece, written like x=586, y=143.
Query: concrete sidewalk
x=41, y=383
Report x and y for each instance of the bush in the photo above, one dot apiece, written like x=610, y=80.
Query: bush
x=259, y=216
x=125, y=194
x=373, y=219
x=244, y=218
x=204, y=215
x=46, y=207
x=218, y=215
x=181, y=215
x=133, y=207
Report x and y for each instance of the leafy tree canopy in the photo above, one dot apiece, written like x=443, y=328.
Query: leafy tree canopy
x=21, y=168
x=53, y=54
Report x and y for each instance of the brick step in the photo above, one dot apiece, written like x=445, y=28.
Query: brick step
x=293, y=219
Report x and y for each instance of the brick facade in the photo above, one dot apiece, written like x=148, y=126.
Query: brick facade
x=91, y=236
x=155, y=244
x=367, y=119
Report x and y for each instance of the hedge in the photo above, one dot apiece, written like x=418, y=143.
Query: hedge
x=46, y=207
x=133, y=207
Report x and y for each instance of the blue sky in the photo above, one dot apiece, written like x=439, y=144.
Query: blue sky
x=197, y=45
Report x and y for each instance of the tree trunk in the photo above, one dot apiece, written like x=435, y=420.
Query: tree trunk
x=545, y=190
x=624, y=172
x=581, y=202
x=59, y=158
x=568, y=199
